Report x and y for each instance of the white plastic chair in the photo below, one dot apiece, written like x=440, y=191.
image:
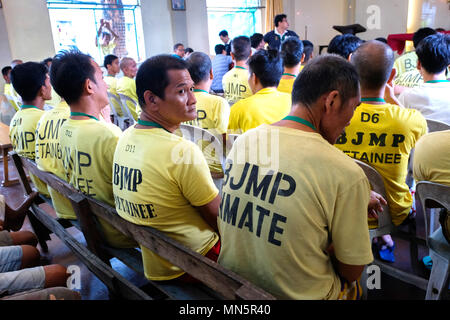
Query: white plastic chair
x=126, y=109
x=114, y=102
x=16, y=102
x=197, y=134
x=434, y=195
x=435, y=125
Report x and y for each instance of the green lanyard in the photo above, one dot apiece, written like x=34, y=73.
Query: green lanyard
x=373, y=100
x=302, y=121
x=200, y=90
x=151, y=124
x=239, y=67
x=28, y=107
x=289, y=74
x=437, y=81
x=83, y=114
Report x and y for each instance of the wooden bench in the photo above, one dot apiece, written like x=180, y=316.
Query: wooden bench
x=217, y=282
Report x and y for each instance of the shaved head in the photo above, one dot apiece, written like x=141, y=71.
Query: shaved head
x=373, y=61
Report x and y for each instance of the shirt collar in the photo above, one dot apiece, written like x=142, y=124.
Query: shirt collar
x=276, y=32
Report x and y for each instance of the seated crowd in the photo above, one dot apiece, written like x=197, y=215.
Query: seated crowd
x=293, y=210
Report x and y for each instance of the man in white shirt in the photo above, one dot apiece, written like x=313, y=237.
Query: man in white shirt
x=432, y=98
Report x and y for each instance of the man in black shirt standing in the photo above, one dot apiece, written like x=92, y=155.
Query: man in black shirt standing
x=275, y=37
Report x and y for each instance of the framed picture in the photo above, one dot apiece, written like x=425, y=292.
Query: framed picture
x=178, y=4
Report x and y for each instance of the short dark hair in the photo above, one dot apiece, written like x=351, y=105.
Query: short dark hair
x=28, y=78
x=421, y=34
x=45, y=61
x=279, y=18
x=308, y=48
x=267, y=66
x=256, y=39
x=175, y=47
x=381, y=39
x=223, y=33
x=69, y=72
x=188, y=50
x=6, y=70
x=344, y=44
x=291, y=52
x=241, y=48
x=199, y=66
x=109, y=59
x=219, y=48
x=152, y=75
x=322, y=75
x=434, y=53
x=374, y=61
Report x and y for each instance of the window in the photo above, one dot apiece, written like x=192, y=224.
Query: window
x=238, y=17
x=75, y=24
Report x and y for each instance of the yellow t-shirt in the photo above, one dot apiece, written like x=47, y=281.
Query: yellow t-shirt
x=9, y=90
x=383, y=136
x=158, y=179
x=405, y=63
x=23, y=140
x=112, y=87
x=410, y=79
x=112, y=83
x=109, y=48
x=235, y=85
x=432, y=158
x=286, y=85
x=127, y=87
x=277, y=220
x=49, y=154
x=213, y=113
x=88, y=149
x=268, y=106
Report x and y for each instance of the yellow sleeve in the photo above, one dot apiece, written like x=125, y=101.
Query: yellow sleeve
x=350, y=217
x=233, y=123
x=194, y=177
x=223, y=116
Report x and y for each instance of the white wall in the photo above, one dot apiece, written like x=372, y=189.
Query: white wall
x=197, y=25
x=319, y=17
x=5, y=51
x=381, y=17
x=29, y=30
x=157, y=26
x=163, y=27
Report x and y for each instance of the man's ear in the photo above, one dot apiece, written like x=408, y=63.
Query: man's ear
x=332, y=100
x=151, y=100
x=303, y=58
x=211, y=76
x=232, y=55
x=350, y=57
x=392, y=75
x=88, y=86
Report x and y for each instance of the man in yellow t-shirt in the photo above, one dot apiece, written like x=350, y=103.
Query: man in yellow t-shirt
x=235, y=82
x=127, y=85
x=432, y=158
x=267, y=105
x=407, y=63
x=381, y=134
x=8, y=90
x=49, y=154
x=109, y=39
x=213, y=111
x=32, y=83
x=297, y=226
x=87, y=144
x=160, y=179
x=111, y=63
x=292, y=55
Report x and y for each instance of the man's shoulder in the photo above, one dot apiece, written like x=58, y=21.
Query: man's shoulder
x=269, y=34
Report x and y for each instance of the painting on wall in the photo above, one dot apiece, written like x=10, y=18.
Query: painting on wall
x=178, y=4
